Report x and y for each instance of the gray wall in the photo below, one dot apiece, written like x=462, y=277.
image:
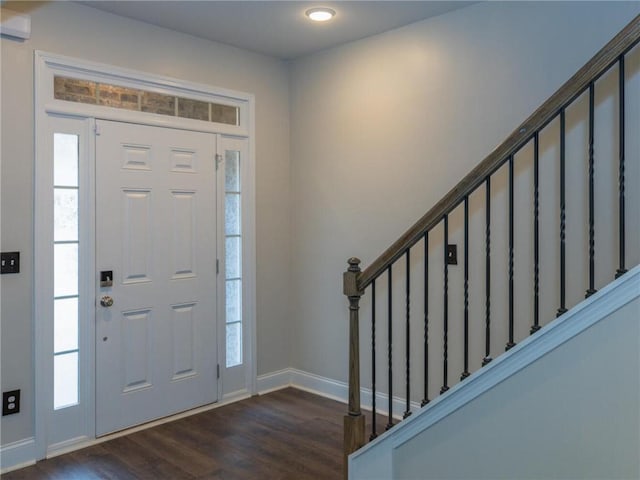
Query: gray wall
x=572, y=414
x=83, y=32
x=382, y=128
x=340, y=137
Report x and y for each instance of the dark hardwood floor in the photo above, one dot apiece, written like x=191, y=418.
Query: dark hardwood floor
x=287, y=434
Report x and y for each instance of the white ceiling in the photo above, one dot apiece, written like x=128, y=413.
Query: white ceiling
x=278, y=28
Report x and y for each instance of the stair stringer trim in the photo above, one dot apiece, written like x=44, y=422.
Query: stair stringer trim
x=374, y=457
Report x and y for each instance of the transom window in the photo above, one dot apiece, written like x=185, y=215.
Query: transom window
x=115, y=96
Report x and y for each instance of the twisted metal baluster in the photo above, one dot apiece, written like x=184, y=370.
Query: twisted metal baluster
x=390, y=348
x=445, y=351
x=373, y=361
x=487, y=280
x=621, y=145
x=466, y=373
x=536, y=235
x=510, y=343
x=563, y=216
x=407, y=411
x=425, y=398
x=592, y=248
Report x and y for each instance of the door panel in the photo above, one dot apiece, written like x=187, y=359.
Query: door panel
x=155, y=208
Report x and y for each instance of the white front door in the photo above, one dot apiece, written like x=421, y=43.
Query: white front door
x=156, y=242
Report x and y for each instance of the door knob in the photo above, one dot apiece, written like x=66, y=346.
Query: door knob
x=106, y=301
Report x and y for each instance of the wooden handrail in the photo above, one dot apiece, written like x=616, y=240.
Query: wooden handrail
x=597, y=66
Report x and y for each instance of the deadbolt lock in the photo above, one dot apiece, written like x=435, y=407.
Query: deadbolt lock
x=106, y=278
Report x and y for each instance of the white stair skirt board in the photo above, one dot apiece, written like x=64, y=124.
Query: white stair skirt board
x=378, y=454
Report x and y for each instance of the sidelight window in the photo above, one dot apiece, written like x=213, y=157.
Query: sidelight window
x=233, y=258
x=65, y=273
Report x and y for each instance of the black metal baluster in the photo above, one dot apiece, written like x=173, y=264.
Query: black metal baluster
x=390, y=349
x=621, y=145
x=373, y=361
x=407, y=411
x=465, y=373
x=425, y=398
x=487, y=280
x=536, y=234
x=510, y=343
x=592, y=249
x=445, y=351
x=563, y=216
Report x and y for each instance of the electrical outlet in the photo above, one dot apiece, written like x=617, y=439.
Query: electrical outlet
x=452, y=254
x=10, y=402
x=10, y=262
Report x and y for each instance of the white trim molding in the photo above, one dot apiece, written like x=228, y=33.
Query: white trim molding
x=48, y=65
x=14, y=24
x=328, y=388
x=17, y=455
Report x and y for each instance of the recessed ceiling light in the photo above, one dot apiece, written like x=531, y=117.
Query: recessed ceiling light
x=320, y=14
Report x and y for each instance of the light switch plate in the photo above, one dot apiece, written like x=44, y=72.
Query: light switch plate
x=10, y=262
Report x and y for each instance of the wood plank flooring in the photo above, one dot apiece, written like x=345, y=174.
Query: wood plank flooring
x=287, y=434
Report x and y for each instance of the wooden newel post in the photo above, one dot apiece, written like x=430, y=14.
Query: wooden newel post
x=354, y=420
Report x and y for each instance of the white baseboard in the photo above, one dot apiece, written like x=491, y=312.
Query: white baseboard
x=270, y=382
x=329, y=388
x=234, y=396
x=17, y=455
x=323, y=386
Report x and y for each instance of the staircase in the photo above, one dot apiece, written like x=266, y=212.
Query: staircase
x=542, y=224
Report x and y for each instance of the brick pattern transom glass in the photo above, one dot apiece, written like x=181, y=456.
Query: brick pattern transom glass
x=115, y=96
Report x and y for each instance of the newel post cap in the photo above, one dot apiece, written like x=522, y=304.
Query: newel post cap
x=350, y=278
x=353, y=264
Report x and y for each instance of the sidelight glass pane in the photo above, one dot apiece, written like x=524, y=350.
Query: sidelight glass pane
x=232, y=214
x=234, y=301
x=232, y=171
x=65, y=325
x=234, y=344
x=65, y=380
x=65, y=214
x=65, y=160
x=233, y=259
x=65, y=264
